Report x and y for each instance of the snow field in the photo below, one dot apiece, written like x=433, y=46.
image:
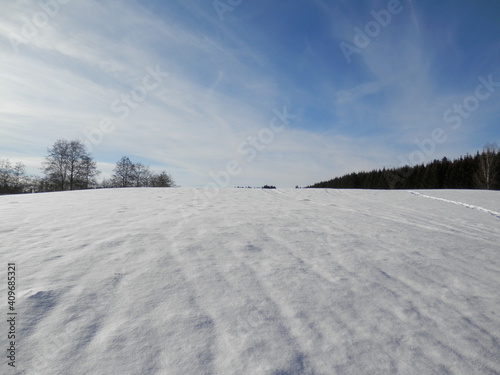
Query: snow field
x=277, y=282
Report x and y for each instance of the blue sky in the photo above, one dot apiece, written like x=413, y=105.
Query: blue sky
x=181, y=85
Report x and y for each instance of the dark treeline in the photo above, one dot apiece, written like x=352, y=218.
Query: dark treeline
x=69, y=166
x=481, y=171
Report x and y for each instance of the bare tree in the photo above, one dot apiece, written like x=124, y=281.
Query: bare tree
x=124, y=173
x=13, y=179
x=5, y=176
x=34, y=184
x=55, y=165
x=66, y=163
x=162, y=179
x=87, y=172
x=19, y=178
x=107, y=183
x=486, y=174
x=128, y=174
x=76, y=154
x=142, y=175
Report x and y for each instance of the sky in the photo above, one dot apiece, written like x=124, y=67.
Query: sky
x=247, y=93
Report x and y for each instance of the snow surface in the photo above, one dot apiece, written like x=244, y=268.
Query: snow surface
x=275, y=282
x=494, y=213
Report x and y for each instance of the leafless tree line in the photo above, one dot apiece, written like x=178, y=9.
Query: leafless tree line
x=69, y=166
x=129, y=174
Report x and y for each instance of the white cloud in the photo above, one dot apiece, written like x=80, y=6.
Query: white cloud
x=220, y=89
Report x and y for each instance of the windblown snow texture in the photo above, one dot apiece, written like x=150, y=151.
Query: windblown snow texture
x=282, y=282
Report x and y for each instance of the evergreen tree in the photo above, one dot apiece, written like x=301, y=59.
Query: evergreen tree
x=481, y=171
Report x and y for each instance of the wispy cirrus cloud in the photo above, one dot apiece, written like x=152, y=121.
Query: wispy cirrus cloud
x=221, y=81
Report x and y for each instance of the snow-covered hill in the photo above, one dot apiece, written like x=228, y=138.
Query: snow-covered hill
x=274, y=282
